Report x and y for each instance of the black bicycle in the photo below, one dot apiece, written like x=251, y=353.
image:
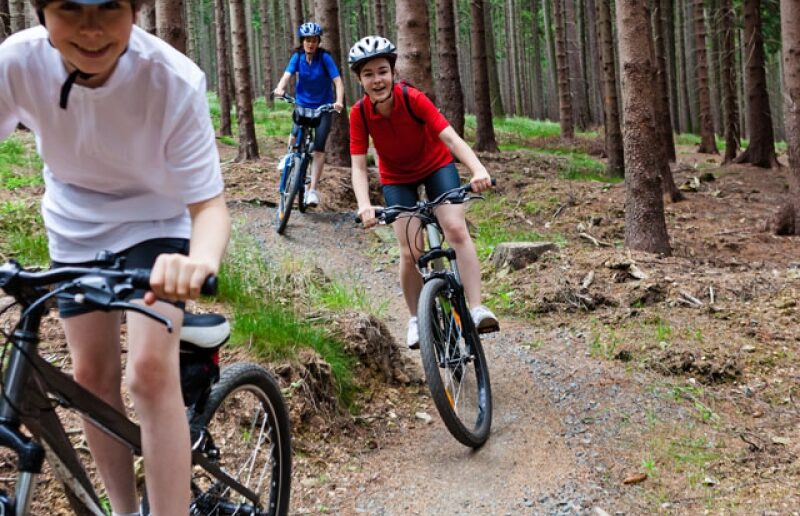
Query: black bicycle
x=241, y=452
x=452, y=355
x=298, y=160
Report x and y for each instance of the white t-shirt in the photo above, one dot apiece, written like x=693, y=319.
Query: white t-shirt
x=123, y=160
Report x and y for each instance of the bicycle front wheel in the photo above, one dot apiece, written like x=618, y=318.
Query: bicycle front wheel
x=286, y=198
x=248, y=437
x=455, y=366
x=301, y=198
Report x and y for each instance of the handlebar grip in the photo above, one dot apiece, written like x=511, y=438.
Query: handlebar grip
x=140, y=278
x=468, y=186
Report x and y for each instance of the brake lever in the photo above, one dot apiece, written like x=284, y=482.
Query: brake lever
x=134, y=307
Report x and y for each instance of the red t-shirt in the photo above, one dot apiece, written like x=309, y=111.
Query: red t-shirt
x=407, y=150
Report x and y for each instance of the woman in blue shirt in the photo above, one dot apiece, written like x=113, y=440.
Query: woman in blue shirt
x=316, y=75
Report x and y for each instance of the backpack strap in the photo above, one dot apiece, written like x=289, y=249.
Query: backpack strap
x=363, y=112
x=408, y=104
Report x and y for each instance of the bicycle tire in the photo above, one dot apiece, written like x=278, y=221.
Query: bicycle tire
x=455, y=365
x=286, y=199
x=301, y=197
x=223, y=418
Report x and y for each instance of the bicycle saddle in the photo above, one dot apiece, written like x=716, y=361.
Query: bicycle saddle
x=205, y=331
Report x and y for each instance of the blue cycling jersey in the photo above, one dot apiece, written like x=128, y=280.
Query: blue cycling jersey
x=315, y=79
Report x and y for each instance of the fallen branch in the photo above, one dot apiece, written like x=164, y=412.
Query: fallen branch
x=690, y=298
x=593, y=240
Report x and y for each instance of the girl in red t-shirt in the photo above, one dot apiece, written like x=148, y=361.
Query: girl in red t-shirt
x=414, y=143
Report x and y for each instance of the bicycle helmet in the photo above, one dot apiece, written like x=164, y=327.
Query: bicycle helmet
x=369, y=48
x=309, y=30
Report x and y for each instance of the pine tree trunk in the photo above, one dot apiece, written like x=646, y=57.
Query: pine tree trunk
x=223, y=72
x=170, y=24
x=593, y=63
x=413, y=48
x=484, y=132
x=248, y=146
x=613, y=134
x=663, y=122
x=668, y=22
x=380, y=23
x=580, y=107
x=496, y=99
x=17, y=14
x=448, y=86
x=708, y=144
x=338, y=148
x=681, y=66
x=5, y=20
x=562, y=72
x=296, y=17
x=146, y=18
x=787, y=221
x=645, y=227
x=714, y=78
x=690, y=62
x=728, y=79
x=761, y=148
x=537, y=91
x=552, y=82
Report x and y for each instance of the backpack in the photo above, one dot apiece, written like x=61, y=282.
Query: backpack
x=405, y=85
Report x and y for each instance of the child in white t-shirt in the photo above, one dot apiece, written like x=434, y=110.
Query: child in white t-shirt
x=122, y=124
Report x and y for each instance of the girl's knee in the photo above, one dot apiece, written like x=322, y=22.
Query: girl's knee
x=456, y=234
x=150, y=375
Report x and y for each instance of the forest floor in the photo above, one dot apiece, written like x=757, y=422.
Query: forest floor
x=623, y=382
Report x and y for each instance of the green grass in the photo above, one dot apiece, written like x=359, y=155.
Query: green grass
x=22, y=234
x=580, y=166
x=270, y=122
x=345, y=296
x=492, y=227
x=264, y=316
x=20, y=166
x=517, y=127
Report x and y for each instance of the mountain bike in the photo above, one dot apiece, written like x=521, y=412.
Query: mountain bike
x=241, y=455
x=297, y=162
x=452, y=355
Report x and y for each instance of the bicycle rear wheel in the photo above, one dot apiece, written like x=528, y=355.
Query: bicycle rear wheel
x=455, y=366
x=286, y=199
x=248, y=437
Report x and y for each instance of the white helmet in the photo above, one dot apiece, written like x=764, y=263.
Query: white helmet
x=368, y=48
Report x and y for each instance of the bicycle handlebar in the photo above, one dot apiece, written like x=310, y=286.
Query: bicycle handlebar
x=459, y=195
x=291, y=100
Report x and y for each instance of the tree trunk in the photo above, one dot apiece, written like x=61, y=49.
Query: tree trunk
x=681, y=66
x=296, y=18
x=663, y=122
x=495, y=98
x=580, y=107
x=593, y=63
x=146, y=18
x=537, y=89
x=761, y=148
x=266, y=46
x=728, y=79
x=413, y=47
x=169, y=23
x=708, y=144
x=248, y=146
x=484, y=132
x=17, y=14
x=613, y=135
x=787, y=221
x=562, y=72
x=380, y=24
x=338, y=148
x=552, y=84
x=668, y=21
x=714, y=77
x=690, y=62
x=5, y=20
x=223, y=71
x=448, y=86
x=645, y=226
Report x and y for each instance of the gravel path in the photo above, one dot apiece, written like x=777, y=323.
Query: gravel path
x=562, y=425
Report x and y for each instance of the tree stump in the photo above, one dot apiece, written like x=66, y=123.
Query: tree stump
x=516, y=255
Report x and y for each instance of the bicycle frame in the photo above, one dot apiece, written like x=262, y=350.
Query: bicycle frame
x=28, y=380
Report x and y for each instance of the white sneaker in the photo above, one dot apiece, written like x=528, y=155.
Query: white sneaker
x=484, y=319
x=412, y=335
x=311, y=198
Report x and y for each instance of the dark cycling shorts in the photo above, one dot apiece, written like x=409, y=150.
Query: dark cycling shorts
x=321, y=132
x=140, y=256
x=438, y=182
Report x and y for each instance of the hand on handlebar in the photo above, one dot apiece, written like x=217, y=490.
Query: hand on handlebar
x=481, y=181
x=338, y=107
x=367, y=217
x=176, y=277
x=278, y=92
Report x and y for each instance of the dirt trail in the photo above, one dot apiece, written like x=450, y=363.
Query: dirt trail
x=552, y=449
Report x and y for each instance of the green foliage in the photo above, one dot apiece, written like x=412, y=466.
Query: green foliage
x=22, y=234
x=20, y=166
x=264, y=316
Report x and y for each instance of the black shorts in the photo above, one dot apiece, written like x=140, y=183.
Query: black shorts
x=321, y=132
x=140, y=256
x=436, y=183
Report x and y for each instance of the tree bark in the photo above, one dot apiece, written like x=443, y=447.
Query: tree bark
x=562, y=72
x=169, y=23
x=580, y=106
x=248, y=146
x=537, y=89
x=266, y=46
x=146, y=19
x=296, y=17
x=380, y=23
x=668, y=17
x=495, y=98
x=5, y=20
x=17, y=14
x=613, y=134
x=663, y=121
x=448, y=86
x=413, y=45
x=223, y=70
x=761, y=148
x=787, y=221
x=593, y=63
x=552, y=83
x=728, y=79
x=681, y=66
x=645, y=226
x=708, y=144
x=484, y=133
x=338, y=148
